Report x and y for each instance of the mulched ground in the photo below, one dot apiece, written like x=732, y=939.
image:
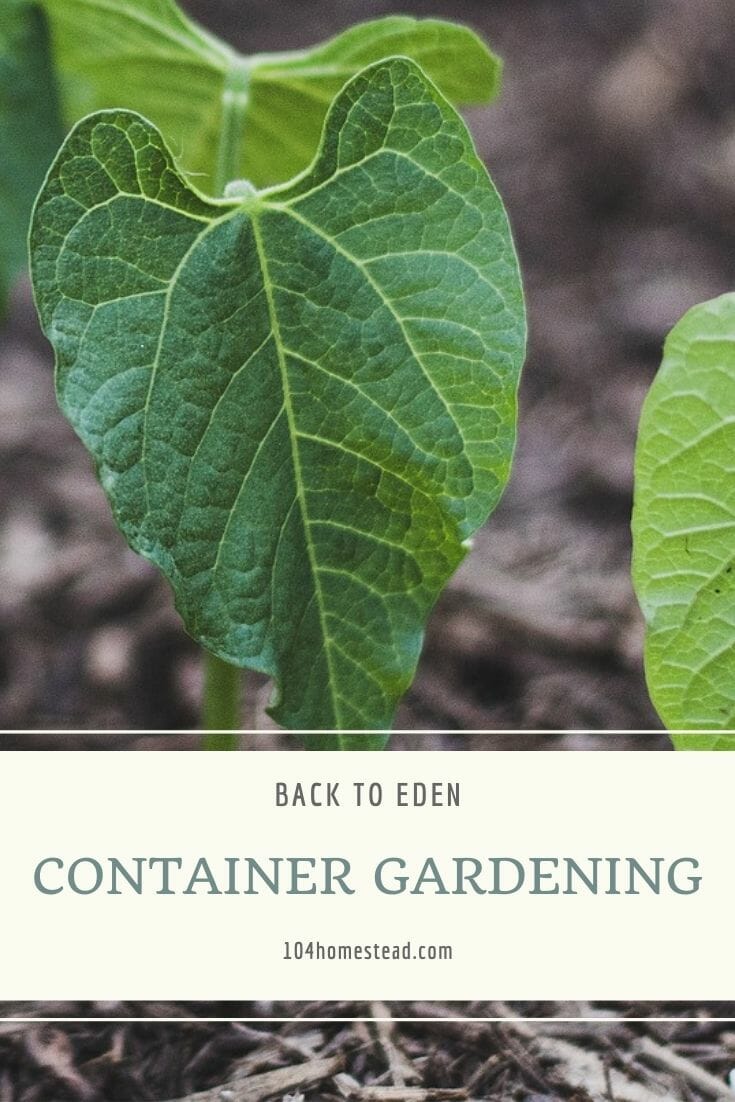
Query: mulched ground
x=614, y=146
x=611, y=1059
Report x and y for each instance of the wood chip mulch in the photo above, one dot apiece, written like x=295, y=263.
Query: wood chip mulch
x=405, y=1052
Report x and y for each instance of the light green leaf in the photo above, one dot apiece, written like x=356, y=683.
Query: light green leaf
x=300, y=86
x=147, y=55
x=684, y=523
x=30, y=130
x=301, y=403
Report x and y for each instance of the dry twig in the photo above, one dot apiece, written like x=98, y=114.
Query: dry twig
x=408, y=1094
x=401, y=1069
x=584, y=1070
x=685, y=1069
x=271, y=1084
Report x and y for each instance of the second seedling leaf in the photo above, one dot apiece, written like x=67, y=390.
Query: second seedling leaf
x=148, y=55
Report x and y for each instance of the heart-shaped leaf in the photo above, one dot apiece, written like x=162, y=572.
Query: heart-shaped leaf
x=148, y=56
x=30, y=130
x=684, y=525
x=302, y=402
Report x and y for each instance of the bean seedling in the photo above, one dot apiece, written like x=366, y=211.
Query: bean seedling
x=288, y=324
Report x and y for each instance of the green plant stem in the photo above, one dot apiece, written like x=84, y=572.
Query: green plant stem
x=223, y=682
x=222, y=693
x=235, y=99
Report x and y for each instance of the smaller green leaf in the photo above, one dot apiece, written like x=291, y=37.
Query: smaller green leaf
x=30, y=130
x=147, y=55
x=684, y=525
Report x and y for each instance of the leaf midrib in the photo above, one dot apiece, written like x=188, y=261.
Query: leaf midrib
x=296, y=459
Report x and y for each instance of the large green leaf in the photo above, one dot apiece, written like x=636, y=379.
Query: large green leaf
x=301, y=402
x=146, y=55
x=684, y=523
x=30, y=130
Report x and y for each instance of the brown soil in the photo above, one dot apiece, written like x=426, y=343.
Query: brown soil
x=614, y=148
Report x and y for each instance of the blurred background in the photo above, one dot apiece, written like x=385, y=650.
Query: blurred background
x=613, y=145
